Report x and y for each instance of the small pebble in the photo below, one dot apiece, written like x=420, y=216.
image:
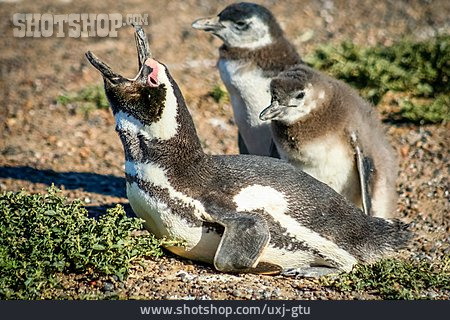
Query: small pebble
x=108, y=286
x=237, y=293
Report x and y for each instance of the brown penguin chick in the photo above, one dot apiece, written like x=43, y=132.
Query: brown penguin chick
x=254, y=50
x=324, y=127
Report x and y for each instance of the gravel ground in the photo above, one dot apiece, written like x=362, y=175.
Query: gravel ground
x=43, y=142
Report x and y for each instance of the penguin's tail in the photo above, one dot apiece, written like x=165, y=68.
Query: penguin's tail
x=387, y=236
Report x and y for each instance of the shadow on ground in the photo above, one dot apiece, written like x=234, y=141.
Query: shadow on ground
x=108, y=185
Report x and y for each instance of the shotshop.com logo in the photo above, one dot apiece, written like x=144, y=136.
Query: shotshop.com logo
x=74, y=25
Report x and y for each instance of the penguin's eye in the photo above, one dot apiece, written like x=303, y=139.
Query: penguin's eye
x=300, y=95
x=241, y=25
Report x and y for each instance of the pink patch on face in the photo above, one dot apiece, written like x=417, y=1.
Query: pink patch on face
x=152, y=79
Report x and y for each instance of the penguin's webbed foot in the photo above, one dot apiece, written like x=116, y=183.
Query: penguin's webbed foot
x=264, y=268
x=309, y=272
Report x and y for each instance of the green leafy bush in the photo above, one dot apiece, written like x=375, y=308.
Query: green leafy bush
x=395, y=279
x=437, y=111
x=41, y=235
x=219, y=94
x=89, y=98
x=419, y=69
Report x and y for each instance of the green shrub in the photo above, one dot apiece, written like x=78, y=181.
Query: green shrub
x=395, y=279
x=219, y=94
x=437, y=111
x=419, y=69
x=89, y=98
x=41, y=235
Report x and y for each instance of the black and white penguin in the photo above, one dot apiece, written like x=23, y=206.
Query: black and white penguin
x=325, y=128
x=242, y=213
x=254, y=51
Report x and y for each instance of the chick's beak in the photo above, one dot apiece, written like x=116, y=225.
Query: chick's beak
x=271, y=112
x=208, y=24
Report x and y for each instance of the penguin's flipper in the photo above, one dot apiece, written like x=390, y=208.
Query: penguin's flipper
x=365, y=168
x=244, y=239
x=241, y=144
x=309, y=272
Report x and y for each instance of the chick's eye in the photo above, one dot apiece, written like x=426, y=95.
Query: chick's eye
x=301, y=95
x=241, y=25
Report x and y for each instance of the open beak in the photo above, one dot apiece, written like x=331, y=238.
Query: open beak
x=105, y=70
x=148, y=71
x=208, y=24
x=142, y=46
x=271, y=112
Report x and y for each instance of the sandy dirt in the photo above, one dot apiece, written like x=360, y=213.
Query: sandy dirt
x=44, y=142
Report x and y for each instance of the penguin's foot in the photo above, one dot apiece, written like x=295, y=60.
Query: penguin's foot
x=309, y=272
x=264, y=268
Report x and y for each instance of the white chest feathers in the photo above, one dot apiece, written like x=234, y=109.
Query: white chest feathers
x=161, y=219
x=327, y=159
x=247, y=83
x=250, y=93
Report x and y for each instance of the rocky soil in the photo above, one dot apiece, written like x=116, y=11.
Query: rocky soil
x=44, y=142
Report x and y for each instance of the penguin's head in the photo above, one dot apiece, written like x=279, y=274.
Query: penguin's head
x=295, y=94
x=242, y=25
x=142, y=98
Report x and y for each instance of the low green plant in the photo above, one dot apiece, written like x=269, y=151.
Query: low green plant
x=436, y=111
x=42, y=235
x=219, y=94
x=394, y=279
x=89, y=98
x=419, y=69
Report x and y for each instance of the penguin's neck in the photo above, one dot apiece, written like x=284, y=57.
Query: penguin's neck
x=272, y=58
x=171, y=142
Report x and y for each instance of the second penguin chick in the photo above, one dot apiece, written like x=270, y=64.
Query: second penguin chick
x=254, y=50
x=324, y=127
